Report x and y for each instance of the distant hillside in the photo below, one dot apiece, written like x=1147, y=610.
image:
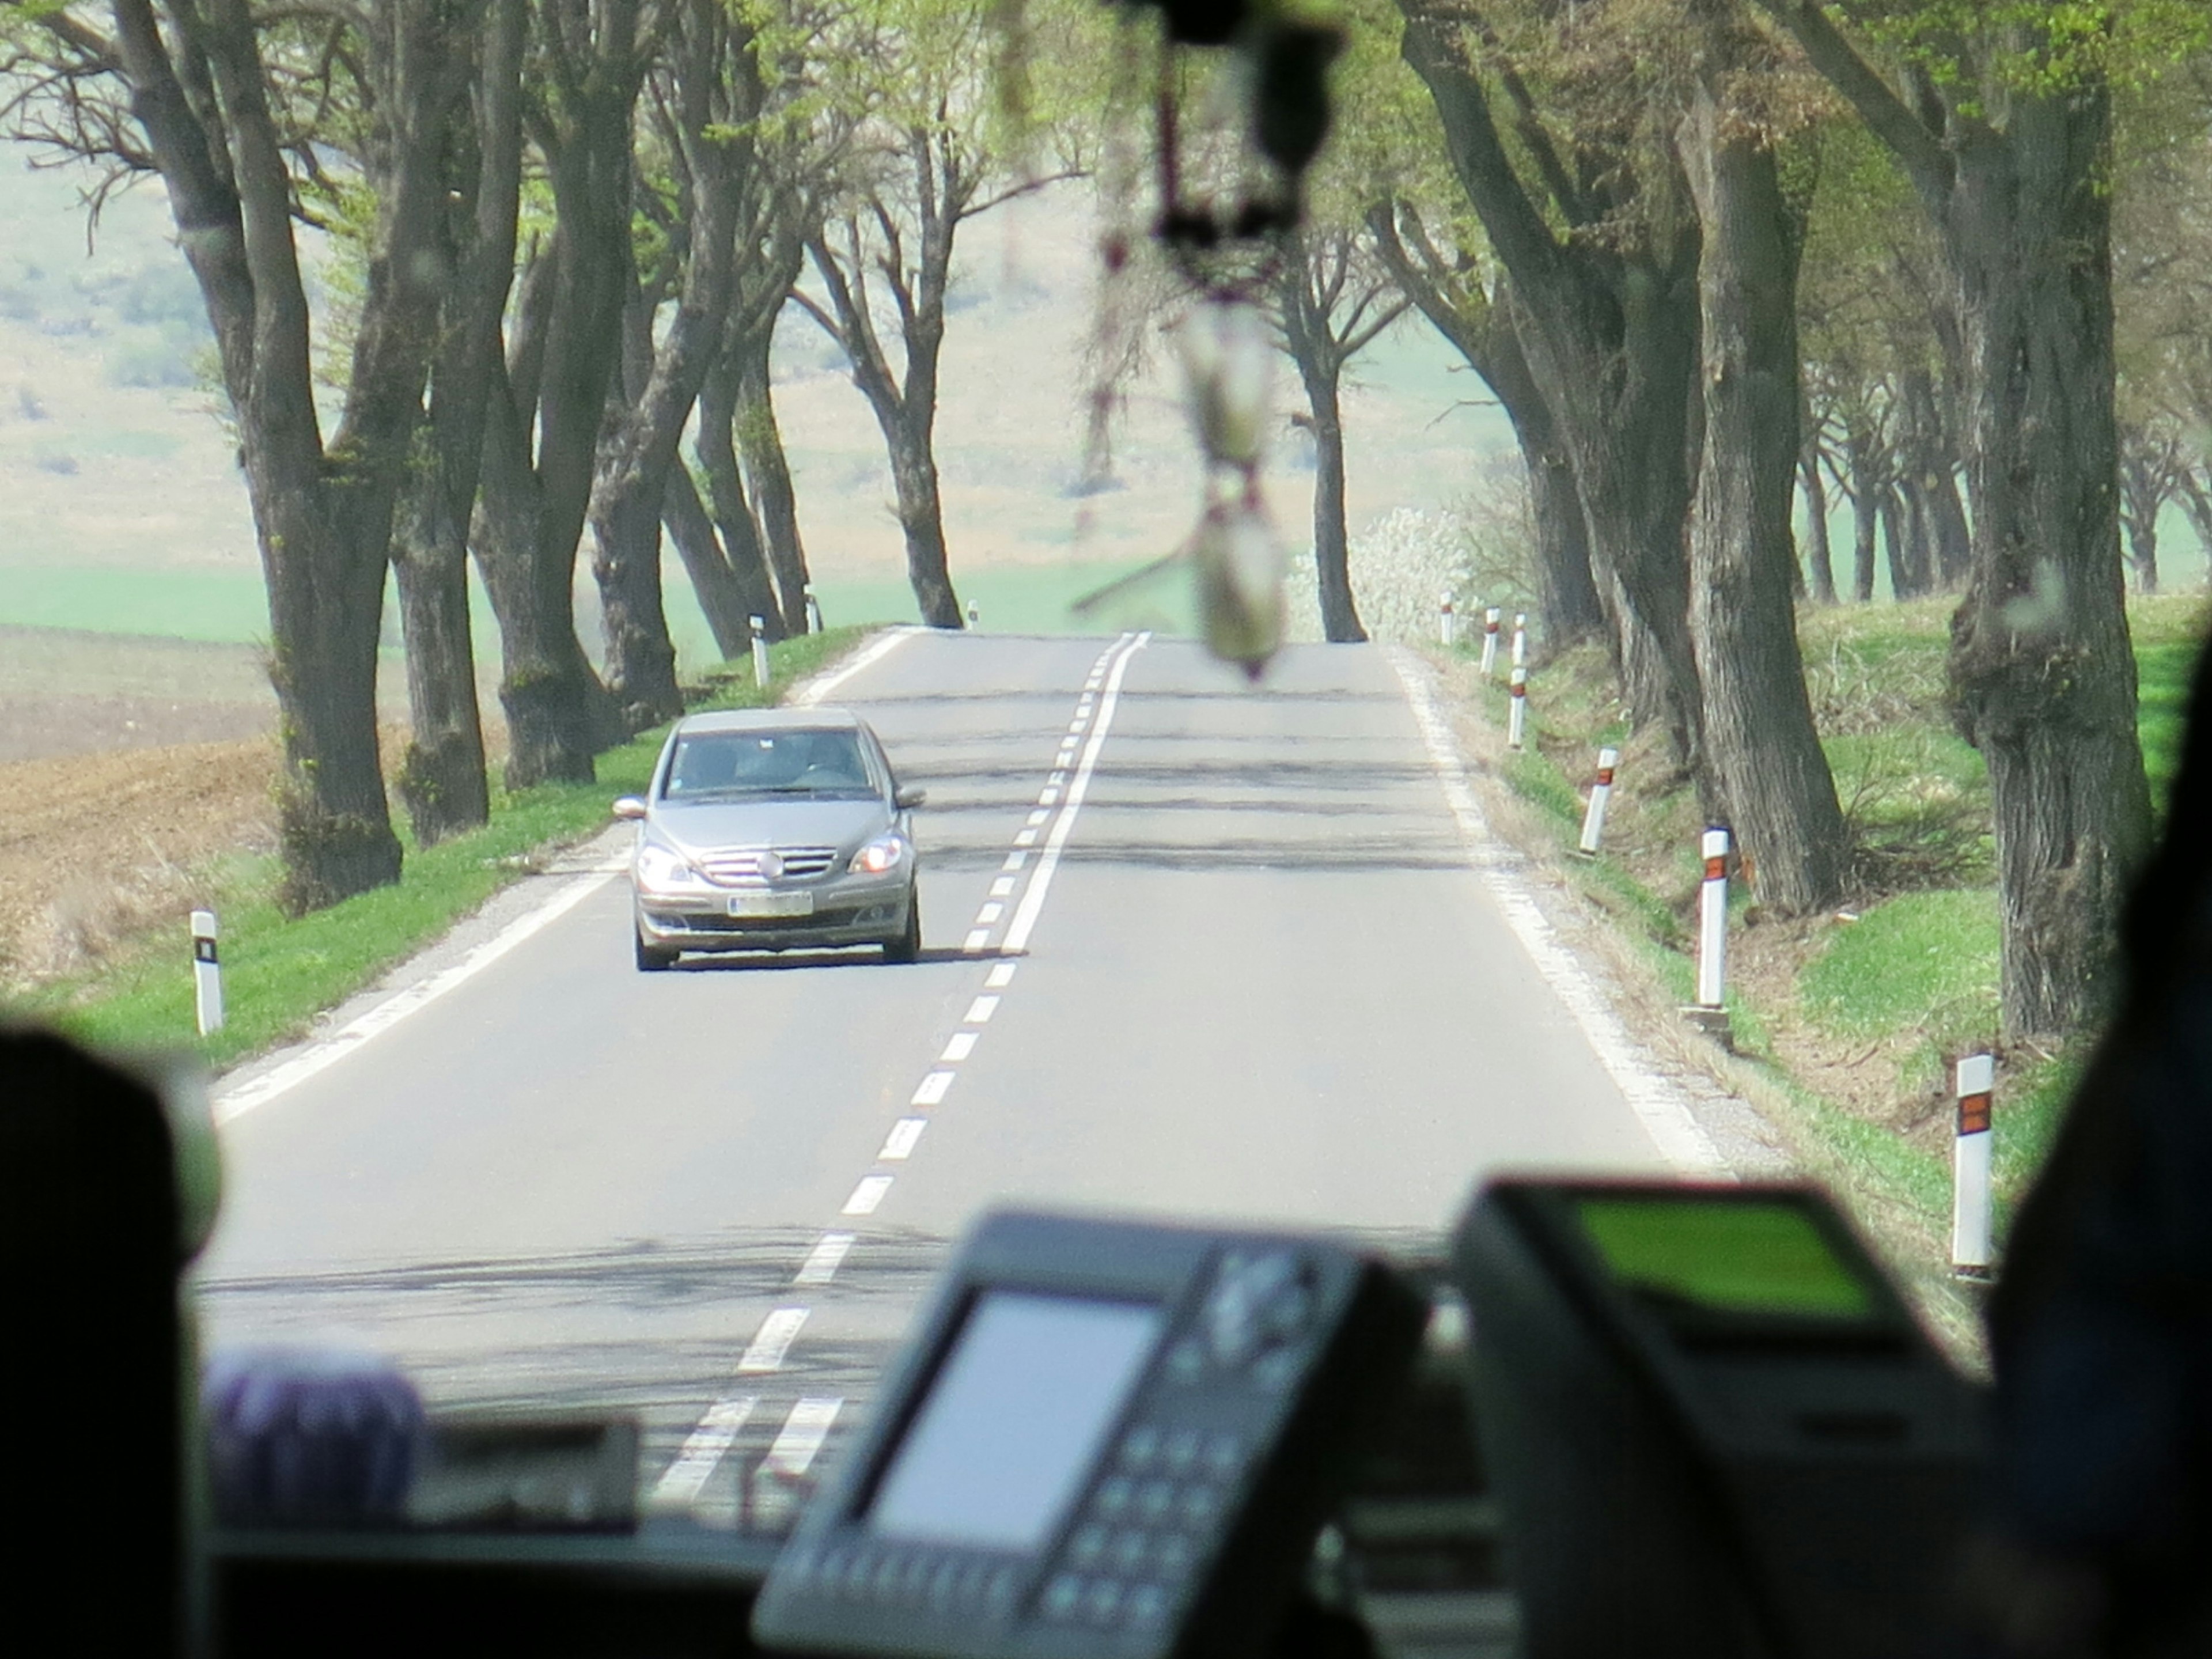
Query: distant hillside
x=120, y=506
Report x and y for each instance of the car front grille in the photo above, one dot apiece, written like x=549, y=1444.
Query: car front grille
x=741, y=866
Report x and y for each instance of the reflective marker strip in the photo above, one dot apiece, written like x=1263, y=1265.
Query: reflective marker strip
x=773, y=1341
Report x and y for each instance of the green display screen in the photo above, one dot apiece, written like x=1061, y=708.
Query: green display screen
x=1726, y=1256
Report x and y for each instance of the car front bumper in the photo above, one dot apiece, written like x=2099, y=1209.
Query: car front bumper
x=850, y=910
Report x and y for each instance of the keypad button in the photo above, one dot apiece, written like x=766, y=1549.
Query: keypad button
x=1101, y=1602
x=1062, y=1596
x=860, y=1572
x=1115, y=1493
x=1181, y=1450
x=1131, y=1549
x=1223, y=1454
x=1145, y=1607
x=1171, y=1555
x=1199, y=1505
x=1088, y=1547
x=1274, y=1373
x=1156, y=1499
x=1139, y=1447
x=1187, y=1361
x=999, y=1592
x=890, y=1570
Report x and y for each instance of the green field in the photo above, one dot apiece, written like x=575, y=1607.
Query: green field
x=227, y=607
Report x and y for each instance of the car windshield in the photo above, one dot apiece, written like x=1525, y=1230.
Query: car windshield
x=725, y=765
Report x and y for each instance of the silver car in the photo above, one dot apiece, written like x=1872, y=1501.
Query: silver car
x=773, y=829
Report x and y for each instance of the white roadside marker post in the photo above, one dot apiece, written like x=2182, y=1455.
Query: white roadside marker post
x=1972, y=1256
x=813, y=611
x=760, y=649
x=1516, y=718
x=1490, y=641
x=207, y=974
x=1710, y=1014
x=1447, y=624
x=1520, y=642
x=1601, y=793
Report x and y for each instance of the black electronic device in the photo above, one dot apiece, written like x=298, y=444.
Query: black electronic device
x=1716, y=1428
x=1105, y=1440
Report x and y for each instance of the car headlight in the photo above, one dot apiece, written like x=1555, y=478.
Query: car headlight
x=660, y=866
x=882, y=855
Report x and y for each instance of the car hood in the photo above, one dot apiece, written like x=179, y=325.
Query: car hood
x=700, y=827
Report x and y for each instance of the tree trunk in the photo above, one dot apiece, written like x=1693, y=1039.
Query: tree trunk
x=1762, y=750
x=2196, y=503
x=2043, y=678
x=1866, y=491
x=2144, y=489
x=1818, y=555
x=1340, y=614
x=728, y=600
x=760, y=445
x=1612, y=336
x=2042, y=672
x=441, y=776
x=921, y=516
x=1567, y=596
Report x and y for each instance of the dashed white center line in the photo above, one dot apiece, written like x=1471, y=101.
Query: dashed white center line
x=772, y=1341
x=1000, y=976
x=900, y=1142
x=961, y=1046
x=1048, y=796
x=980, y=1011
x=801, y=1437
x=868, y=1195
x=1074, y=727
x=821, y=1262
x=1015, y=860
x=1057, y=779
x=976, y=940
x=1025, y=838
x=932, y=1088
x=702, y=1449
x=1003, y=887
x=1038, y=818
x=989, y=913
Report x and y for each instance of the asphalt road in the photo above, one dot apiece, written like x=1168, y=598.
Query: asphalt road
x=1247, y=971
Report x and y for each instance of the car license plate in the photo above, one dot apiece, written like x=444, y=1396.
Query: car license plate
x=772, y=904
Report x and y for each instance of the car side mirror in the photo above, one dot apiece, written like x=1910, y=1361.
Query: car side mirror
x=628, y=806
x=909, y=798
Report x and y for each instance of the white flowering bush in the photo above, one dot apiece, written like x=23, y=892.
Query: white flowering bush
x=1404, y=563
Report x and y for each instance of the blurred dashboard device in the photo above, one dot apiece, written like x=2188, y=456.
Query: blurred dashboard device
x=1102, y=1438
x=1715, y=1428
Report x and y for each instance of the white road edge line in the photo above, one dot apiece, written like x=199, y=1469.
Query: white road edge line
x=702, y=1449
x=772, y=1341
x=801, y=1437
x=823, y=1261
x=1665, y=1114
x=232, y=1103
x=1033, y=896
x=861, y=660
x=867, y=1195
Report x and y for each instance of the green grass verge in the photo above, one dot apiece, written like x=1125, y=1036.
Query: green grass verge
x=278, y=974
x=1916, y=976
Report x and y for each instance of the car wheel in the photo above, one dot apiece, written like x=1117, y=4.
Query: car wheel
x=652, y=958
x=907, y=947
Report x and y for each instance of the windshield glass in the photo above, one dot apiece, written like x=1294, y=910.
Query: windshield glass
x=723, y=765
